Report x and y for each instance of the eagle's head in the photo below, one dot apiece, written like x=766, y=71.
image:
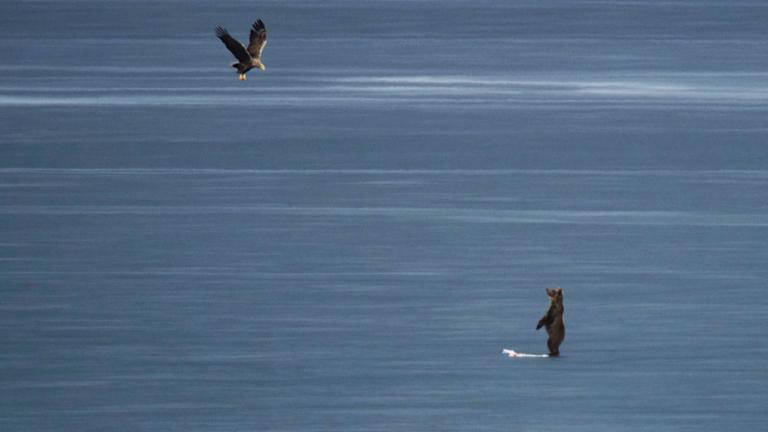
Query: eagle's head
x=256, y=63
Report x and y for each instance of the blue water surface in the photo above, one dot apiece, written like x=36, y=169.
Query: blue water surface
x=347, y=240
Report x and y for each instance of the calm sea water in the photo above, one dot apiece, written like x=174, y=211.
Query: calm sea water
x=346, y=241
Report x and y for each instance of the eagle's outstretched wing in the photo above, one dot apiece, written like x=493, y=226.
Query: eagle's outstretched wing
x=236, y=48
x=258, y=39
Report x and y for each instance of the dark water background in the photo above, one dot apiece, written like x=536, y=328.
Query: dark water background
x=347, y=241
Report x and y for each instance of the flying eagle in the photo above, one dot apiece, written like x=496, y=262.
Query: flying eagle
x=247, y=58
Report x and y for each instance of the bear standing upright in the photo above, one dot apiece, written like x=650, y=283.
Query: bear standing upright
x=553, y=321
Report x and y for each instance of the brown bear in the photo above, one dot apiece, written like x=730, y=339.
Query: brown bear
x=553, y=321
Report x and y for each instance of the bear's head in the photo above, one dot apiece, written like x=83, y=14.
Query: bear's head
x=555, y=295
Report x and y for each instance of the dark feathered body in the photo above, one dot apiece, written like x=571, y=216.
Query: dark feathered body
x=553, y=321
x=243, y=68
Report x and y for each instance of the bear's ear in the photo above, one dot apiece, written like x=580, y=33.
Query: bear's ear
x=551, y=292
x=559, y=290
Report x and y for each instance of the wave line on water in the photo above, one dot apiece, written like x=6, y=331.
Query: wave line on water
x=452, y=214
x=382, y=171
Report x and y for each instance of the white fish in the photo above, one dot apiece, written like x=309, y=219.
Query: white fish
x=513, y=353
